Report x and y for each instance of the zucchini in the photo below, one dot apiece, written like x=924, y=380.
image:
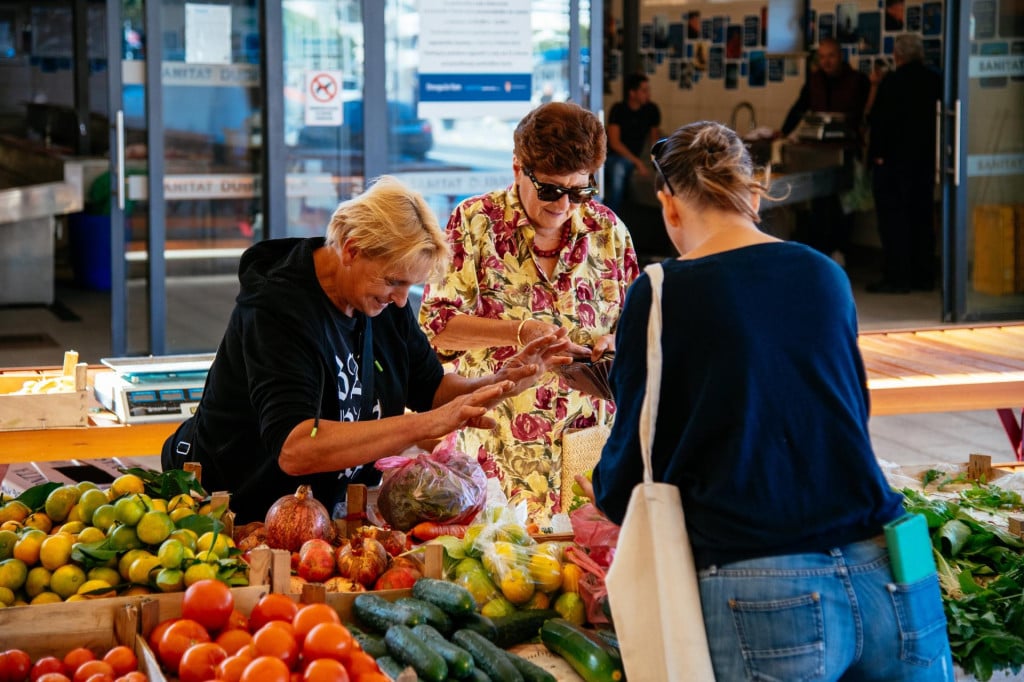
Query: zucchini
x=379, y=614
x=391, y=667
x=459, y=661
x=451, y=598
x=372, y=644
x=587, y=657
x=407, y=648
x=478, y=675
x=432, y=614
x=487, y=656
x=520, y=626
x=477, y=623
x=530, y=671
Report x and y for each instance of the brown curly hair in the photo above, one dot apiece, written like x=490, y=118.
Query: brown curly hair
x=560, y=138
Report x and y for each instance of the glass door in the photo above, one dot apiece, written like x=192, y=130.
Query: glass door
x=983, y=161
x=188, y=152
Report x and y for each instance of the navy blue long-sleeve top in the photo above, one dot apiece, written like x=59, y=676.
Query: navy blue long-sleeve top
x=763, y=414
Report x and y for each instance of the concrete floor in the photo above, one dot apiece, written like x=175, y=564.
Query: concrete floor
x=80, y=320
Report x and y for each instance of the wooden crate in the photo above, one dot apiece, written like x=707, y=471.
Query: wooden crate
x=42, y=410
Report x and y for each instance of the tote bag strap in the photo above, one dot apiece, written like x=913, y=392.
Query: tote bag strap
x=649, y=409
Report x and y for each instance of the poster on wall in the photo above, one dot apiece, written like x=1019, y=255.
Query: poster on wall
x=475, y=59
x=869, y=29
x=734, y=42
x=693, y=26
x=826, y=27
x=716, y=62
x=913, y=16
x=718, y=30
x=931, y=19
x=686, y=74
x=758, y=69
x=776, y=69
x=660, y=30
x=675, y=40
x=732, y=75
x=846, y=22
x=751, y=31
x=894, y=15
x=707, y=29
x=984, y=14
x=207, y=34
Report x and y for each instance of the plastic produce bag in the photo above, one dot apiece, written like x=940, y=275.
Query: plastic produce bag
x=444, y=486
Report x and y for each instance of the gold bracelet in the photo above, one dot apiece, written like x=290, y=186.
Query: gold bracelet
x=519, y=332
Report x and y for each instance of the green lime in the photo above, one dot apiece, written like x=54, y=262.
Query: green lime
x=154, y=527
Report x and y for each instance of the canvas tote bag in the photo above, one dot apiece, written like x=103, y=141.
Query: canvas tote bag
x=652, y=582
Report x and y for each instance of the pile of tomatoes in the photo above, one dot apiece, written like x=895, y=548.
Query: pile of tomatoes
x=280, y=641
x=78, y=665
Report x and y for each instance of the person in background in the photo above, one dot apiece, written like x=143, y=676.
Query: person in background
x=834, y=86
x=322, y=357
x=901, y=155
x=535, y=257
x=632, y=128
x=763, y=425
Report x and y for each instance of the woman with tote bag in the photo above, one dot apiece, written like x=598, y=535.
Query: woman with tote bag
x=761, y=424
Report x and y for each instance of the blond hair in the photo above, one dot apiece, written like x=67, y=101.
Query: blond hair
x=393, y=223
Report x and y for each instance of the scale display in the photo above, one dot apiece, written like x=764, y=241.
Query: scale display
x=153, y=389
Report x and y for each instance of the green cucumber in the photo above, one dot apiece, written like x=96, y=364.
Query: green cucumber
x=478, y=675
x=372, y=644
x=478, y=623
x=487, y=656
x=587, y=657
x=453, y=599
x=379, y=614
x=530, y=671
x=432, y=614
x=391, y=667
x=460, y=661
x=520, y=626
x=407, y=648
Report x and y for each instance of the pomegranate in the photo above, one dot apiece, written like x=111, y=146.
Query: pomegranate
x=362, y=560
x=397, y=578
x=394, y=541
x=316, y=560
x=293, y=519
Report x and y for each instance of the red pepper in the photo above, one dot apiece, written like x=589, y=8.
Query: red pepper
x=428, y=530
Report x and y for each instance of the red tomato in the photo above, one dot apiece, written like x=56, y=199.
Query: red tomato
x=93, y=667
x=133, y=676
x=272, y=606
x=234, y=640
x=361, y=663
x=15, y=664
x=53, y=677
x=177, y=638
x=122, y=659
x=46, y=664
x=276, y=639
x=231, y=668
x=199, y=662
x=325, y=670
x=266, y=669
x=209, y=603
x=237, y=621
x=75, y=658
x=328, y=640
x=373, y=677
x=158, y=632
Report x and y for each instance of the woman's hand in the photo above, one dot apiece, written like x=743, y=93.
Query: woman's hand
x=604, y=344
x=537, y=357
x=531, y=330
x=587, y=487
x=470, y=409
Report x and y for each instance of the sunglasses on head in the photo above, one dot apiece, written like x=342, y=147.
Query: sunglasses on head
x=656, y=151
x=549, y=192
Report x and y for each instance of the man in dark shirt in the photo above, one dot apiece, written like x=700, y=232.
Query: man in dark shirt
x=901, y=155
x=632, y=127
x=837, y=88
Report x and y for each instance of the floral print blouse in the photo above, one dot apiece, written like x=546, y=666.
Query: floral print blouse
x=494, y=275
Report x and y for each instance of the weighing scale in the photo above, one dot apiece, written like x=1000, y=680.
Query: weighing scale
x=148, y=389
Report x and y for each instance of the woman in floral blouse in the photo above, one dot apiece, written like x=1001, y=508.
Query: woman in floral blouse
x=536, y=255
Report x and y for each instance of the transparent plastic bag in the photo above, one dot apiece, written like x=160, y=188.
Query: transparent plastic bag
x=443, y=486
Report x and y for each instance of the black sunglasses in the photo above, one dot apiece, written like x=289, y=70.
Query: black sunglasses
x=549, y=192
x=656, y=150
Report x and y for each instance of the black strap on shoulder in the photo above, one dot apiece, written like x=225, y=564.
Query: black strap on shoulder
x=366, y=367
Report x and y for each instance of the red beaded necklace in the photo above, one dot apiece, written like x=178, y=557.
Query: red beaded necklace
x=563, y=241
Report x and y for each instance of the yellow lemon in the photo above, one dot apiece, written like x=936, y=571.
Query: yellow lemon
x=8, y=538
x=170, y=580
x=14, y=511
x=497, y=607
x=207, y=509
x=125, y=562
x=60, y=501
x=218, y=543
x=39, y=521
x=6, y=596
x=501, y=556
x=91, y=534
x=200, y=571
x=140, y=569
x=46, y=597
x=27, y=547
x=86, y=485
x=171, y=553
x=89, y=502
x=136, y=590
x=103, y=517
x=129, y=510
x=13, y=573
x=123, y=538
x=546, y=572
x=55, y=551
x=37, y=581
x=182, y=501
x=105, y=573
x=180, y=513
x=158, y=504
x=126, y=484
x=75, y=597
x=66, y=580
x=75, y=514
x=154, y=527
x=570, y=605
x=517, y=586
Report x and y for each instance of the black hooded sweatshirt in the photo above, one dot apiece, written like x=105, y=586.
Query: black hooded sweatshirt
x=288, y=355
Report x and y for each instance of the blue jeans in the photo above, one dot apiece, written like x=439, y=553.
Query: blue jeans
x=827, y=616
x=617, y=172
